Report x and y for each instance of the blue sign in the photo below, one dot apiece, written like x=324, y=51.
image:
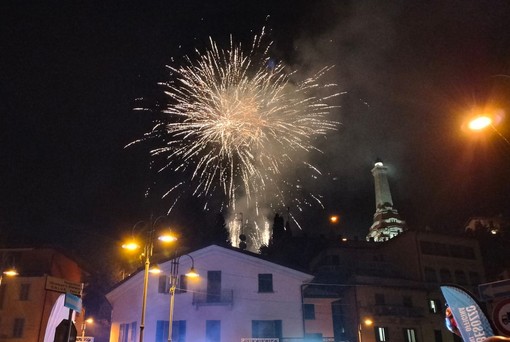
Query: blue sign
x=72, y=302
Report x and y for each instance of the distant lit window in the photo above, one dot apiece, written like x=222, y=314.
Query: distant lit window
x=265, y=282
x=410, y=335
x=381, y=334
x=19, y=325
x=308, y=311
x=379, y=299
x=24, y=291
x=435, y=306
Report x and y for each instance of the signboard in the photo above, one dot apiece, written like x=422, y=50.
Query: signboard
x=84, y=339
x=468, y=321
x=62, y=330
x=72, y=302
x=501, y=317
x=64, y=286
x=497, y=289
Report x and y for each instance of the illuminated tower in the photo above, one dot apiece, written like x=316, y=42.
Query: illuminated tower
x=387, y=221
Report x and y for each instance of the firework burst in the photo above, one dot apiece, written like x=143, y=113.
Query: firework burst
x=235, y=122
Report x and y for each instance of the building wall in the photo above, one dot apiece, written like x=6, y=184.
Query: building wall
x=398, y=272
x=239, y=274
x=322, y=323
x=33, y=265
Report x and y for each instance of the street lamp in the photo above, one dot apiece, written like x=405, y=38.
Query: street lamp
x=84, y=327
x=368, y=323
x=146, y=255
x=10, y=272
x=174, y=273
x=481, y=122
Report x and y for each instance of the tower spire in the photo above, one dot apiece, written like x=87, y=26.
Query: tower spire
x=387, y=221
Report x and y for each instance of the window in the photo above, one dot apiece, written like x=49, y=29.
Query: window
x=178, y=331
x=213, y=286
x=430, y=275
x=410, y=335
x=435, y=306
x=17, y=329
x=23, y=291
x=308, y=311
x=407, y=301
x=127, y=332
x=438, y=337
x=313, y=337
x=2, y=295
x=381, y=334
x=445, y=275
x=182, y=284
x=265, y=282
x=213, y=331
x=264, y=329
x=379, y=299
x=474, y=278
x=163, y=284
x=460, y=277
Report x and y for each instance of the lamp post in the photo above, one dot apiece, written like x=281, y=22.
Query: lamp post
x=367, y=322
x=146, y=255
x=84, y=327
x=174, y=273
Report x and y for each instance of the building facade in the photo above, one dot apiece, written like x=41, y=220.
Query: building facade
x=390, y=291
x=25, y=304
x=238, y=297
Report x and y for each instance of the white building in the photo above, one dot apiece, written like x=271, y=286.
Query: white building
x=237, y=297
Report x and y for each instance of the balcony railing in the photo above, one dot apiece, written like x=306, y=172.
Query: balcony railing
x=203, y=298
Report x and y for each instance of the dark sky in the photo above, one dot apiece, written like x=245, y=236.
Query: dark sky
x=71, y=73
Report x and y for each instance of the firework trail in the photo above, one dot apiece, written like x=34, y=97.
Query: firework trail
x=235, y=122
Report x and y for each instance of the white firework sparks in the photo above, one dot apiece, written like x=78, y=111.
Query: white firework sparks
x=235, y=121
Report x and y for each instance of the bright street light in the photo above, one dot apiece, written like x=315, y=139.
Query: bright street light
x=146, y=254
x=368, y=323
x=10, y=272
x=479, y=123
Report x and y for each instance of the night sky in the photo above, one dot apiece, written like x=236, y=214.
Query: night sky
x=71, y=74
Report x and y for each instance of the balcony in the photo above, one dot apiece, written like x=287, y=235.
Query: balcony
x=203, y=298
